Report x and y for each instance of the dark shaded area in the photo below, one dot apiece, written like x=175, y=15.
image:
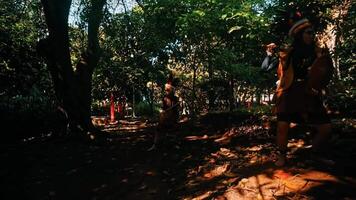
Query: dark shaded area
x=20, y=126
x=119, y=167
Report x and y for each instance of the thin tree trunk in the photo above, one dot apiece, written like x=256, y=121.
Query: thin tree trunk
x=231, y=94
x=258, y=94
x=151, y=98
x=194, y=96
x=211, y=93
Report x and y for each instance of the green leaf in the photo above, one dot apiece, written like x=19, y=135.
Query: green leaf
x=235, y=28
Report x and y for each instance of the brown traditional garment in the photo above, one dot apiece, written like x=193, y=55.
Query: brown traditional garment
x=296, y=100
x=296, y=105
x=169, y=116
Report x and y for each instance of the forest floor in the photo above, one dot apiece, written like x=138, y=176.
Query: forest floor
x=219, y=156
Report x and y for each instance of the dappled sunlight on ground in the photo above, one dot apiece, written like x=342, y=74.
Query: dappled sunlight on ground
x=282, y=183
x=270, y=184
x=191, y=163
x=122, y=126
x=192, y=138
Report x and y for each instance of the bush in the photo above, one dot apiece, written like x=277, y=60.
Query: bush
x=26, y=116
x=144, y=109
x=342, y=101
x=98, y=108
x=257, y=109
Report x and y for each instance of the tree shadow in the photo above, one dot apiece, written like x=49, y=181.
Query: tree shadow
x=192, y=163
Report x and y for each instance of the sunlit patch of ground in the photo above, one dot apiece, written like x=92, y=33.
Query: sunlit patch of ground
x=117, y=126
x=282, y=182
x=195, y=162
x=224, y=174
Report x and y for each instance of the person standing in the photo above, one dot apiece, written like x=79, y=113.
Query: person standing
x=296, y=100
x=168, y=117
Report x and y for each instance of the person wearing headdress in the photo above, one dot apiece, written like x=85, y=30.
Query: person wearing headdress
x=169, y=114
x=303, y=70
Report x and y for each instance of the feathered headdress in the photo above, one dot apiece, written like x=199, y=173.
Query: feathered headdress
x=297, y=23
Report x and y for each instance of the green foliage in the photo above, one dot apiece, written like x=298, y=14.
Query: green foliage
x=257, y=110
x=26, y=115
x=132, y=55
x=342, y=101
x=24, y=80
x=317, y=11
x=26, y=93
x=144, y=109
x=99, y=108
x=342, y=92
x=34, y=104
x=20, y=67
x=214, y=47
x=347, y=49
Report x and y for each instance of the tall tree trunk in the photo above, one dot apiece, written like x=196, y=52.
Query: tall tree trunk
x=58, y=55
x=73, y=90
x=89, y=61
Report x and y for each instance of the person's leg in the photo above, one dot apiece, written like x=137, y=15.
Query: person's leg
x=282, y=140
x=157, y=138
x=320, y=144
x=322, y=136
x=282, y=135
x=158, y=131
x=160, y=135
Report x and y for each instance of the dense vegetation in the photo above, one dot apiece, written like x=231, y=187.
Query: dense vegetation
x=73, y=54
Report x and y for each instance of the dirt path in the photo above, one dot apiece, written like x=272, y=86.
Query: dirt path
x=200, y=161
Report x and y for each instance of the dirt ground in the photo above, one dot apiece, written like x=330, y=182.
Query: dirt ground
x=217, y=157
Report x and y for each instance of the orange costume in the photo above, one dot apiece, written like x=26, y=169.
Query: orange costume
x=301, y=96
